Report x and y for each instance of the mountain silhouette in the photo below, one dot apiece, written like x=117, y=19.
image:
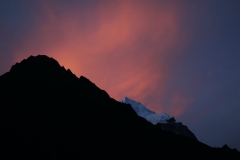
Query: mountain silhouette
x=46, y=112
x=162, y=120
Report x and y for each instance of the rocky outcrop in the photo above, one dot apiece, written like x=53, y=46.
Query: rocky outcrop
x=225, y=147
x=162, y=120
x=177, y=128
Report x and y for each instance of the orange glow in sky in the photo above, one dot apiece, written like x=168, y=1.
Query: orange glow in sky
x=123, y=47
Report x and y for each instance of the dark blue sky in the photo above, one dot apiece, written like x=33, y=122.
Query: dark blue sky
x=182, y=58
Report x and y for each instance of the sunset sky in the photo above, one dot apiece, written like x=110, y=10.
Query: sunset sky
x=177, y=57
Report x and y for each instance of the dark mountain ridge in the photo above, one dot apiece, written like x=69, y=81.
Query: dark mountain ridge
x=46, y=112
x=178, y=128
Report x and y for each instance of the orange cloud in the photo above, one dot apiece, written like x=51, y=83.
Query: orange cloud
x=121, y=46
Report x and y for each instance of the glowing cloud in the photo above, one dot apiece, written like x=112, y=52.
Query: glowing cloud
x=121, y=46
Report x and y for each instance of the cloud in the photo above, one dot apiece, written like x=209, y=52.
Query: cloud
x=124, y=47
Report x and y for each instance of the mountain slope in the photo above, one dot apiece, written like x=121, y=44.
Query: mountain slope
x=149, y=115
x=46, y=112
x=163, y=120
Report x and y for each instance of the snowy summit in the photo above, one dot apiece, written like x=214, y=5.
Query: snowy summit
x=149, y=115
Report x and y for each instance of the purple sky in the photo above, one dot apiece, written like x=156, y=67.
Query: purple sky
x=181, y=58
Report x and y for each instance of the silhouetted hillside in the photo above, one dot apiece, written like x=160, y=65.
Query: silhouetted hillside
x=46, y=112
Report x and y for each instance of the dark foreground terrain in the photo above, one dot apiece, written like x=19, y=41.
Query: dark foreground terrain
x=46, y=112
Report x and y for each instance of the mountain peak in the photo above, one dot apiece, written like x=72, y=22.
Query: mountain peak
x=140, y=109
x=162, y=120
x=39, y=61
x=146, y=113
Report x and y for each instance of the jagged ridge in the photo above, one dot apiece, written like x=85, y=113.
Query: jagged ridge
x=49, y=113
x=146, y=113
x=163, y=121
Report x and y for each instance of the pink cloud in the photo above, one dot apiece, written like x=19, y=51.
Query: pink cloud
x=121, y=46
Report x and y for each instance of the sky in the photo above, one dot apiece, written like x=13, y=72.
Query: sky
x=176, y=57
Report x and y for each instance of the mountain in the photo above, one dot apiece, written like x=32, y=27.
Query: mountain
x=46, y=112
x=149, y=115
x=163, y=120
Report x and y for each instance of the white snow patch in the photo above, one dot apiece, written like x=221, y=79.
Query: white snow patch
x=149, y=115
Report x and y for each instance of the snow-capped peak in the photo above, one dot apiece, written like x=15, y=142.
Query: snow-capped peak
x=138, y=107
x=149, y=115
